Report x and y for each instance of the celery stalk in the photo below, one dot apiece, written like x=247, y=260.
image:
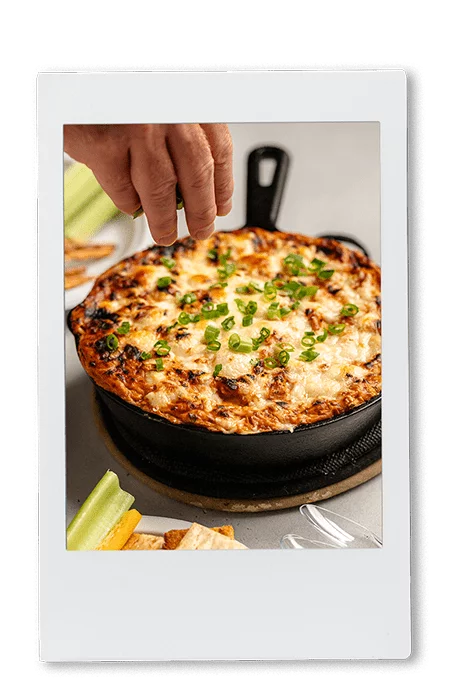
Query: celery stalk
x=103, y=508
x=91, y=218
x=80, y=186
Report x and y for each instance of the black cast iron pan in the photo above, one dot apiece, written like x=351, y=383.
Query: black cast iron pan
x=258, y=453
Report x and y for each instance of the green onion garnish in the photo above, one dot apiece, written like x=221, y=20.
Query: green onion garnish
x=194, y=318
x=325, y=274
x=295, y=305
x=111, y=341
x=159, y=366
x=270, y=362
x=336, y=328
x=284, y=357
x=208, y=310
x=286, y=346
x=184, y=318
x=211, y=333
x=270, y=291
x=146, y=355
x=213, y=254
x=251, y=308
x=226, y=271
x=247, y=320
x=228, y=324
x=124, y=328
x=188, y=298
x=168, y=262
x=243, y=290
x=305, y=292
x=217, y=369
x=222, y=309
x=316, y=265
x=213, y=346
x=322, y=337
x=225, y=256
x=217, y=285
x=241, y=305
x=349, y=310
x=294, y=264
x=237, y=345
x=308, y=355
x=161, y=348
x=284, y=311
x=164, y=282
x=169, y=328
x=308, y=339
x=264, y=333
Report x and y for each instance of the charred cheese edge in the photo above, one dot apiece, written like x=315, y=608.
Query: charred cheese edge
x=246, y=396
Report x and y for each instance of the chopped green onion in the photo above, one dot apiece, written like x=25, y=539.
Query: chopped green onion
x=222, y=309
x=253, y=287
x=164, y=282
x=209, y=311
x=295, y=305
x=241, y=305
x=124, y=328
x=286, y=346
x=213, y=254
x=308, y=340
x=111, y=341
x=168, y=262
x=264, y=333
x=308, y=355
x=169, y=328
x=325, y=274
x=336, y=328
x=216, y=285
x=294, y=264
x=316, y=265
x=225, y=256
x=270, y=291
x=251, y=308
x=213, y=346
x=305, y=292
x=217, y=369
x=183, y=319
x=270, y=362
x=161, y=348
x=194, y=318
x=159, y=366
x=188, y=298
x=321, y=338
x=237, y=345
x=228, y=324
x=284, y=311
x=103, y=508
x=349, y=310
x=284, y=357
x=226, y=271
x=211, y=333
x=247, y=320
x=243, y=290
x=146, y=355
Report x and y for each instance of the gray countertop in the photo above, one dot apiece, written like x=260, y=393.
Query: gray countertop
x=333, y=185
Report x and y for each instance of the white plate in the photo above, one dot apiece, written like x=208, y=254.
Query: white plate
x=153, y=525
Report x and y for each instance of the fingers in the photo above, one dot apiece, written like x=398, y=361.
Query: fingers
x=220, y=141
x=153, y=176
x=194, y=165
x=106, y=152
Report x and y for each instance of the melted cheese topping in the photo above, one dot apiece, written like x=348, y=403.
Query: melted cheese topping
x=246, y=396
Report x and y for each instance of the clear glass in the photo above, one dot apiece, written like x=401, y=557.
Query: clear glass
x=323, y=529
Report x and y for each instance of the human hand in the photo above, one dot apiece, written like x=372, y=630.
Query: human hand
x=139, y=165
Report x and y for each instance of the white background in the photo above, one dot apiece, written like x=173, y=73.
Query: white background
x=360, y=629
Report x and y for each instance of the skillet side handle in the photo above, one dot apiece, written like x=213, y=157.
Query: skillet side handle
x=346, y=239
x=263, y=201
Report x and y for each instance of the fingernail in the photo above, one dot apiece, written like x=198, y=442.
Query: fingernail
x=225, y=208
x=204, y=233
x=167, y=240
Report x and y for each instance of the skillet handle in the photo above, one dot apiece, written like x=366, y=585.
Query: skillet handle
x=263, y=201
x=346, y=239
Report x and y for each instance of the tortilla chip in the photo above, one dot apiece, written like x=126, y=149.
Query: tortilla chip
x=200, y=537
x=174, y=537
x=139, y=540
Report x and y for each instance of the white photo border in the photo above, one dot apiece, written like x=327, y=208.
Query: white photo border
x=246, y=605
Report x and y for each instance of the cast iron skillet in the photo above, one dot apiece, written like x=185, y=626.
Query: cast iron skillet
x=263, y=451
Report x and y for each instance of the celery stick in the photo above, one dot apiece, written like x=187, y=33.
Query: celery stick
x=103, y=508
x=80, y=186
x=91, y=218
